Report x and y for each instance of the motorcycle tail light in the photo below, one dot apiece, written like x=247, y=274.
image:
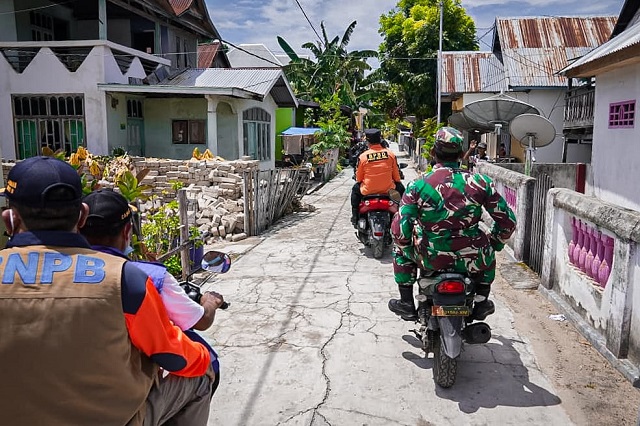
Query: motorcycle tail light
x=451, y=287
x=378, y=234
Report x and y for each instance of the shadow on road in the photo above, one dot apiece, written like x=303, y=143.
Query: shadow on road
x=489, y=375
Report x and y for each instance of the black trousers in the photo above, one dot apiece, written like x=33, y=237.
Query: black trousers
x=356, y=196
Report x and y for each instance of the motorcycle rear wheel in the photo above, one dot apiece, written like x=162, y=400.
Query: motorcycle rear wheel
x=378, y=248
x=445, y=369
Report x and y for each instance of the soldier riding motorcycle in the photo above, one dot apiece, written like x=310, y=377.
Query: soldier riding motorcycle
x=437, y=232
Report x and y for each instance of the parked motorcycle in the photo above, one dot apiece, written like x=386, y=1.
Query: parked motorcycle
x=445, y=307
x=374, y=219
x=214, y=262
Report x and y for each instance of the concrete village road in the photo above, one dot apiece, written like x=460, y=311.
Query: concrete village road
x=308, y=340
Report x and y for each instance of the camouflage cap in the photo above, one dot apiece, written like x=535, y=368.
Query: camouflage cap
x=449, y=140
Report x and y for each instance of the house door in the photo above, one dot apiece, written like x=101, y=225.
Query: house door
x=135, y=128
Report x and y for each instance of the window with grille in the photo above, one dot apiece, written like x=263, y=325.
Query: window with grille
x=53, y=121
x=188, y=131
x=41, y=26
x=256, y=127
x=622, y=114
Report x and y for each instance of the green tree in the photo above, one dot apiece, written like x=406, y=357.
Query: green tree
x=333, y=71
x=409, y=50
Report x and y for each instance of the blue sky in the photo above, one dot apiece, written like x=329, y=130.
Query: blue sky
x=260, y=21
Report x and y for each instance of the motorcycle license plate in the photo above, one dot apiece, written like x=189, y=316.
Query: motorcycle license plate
x=450, y=311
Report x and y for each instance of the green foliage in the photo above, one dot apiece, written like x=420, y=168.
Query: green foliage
x=334, y=133
x=161, y=230
x=173, y=265
x=428, y=131
x=334, y=70
x=409, y=50
x=130, y=186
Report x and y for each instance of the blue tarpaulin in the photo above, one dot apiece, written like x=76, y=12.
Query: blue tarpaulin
x=300, y=131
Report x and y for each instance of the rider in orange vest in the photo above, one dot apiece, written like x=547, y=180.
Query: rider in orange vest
x=376, y=172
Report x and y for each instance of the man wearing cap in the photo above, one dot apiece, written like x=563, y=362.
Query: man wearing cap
x=377, y=172
x=83, y=332
x=437, y=226
x=480, y=154
x=108, y=229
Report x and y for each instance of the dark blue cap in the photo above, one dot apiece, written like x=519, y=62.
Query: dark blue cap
x=30, y=183
x=373, y=135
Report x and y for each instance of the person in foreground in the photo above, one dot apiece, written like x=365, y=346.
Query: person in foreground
x=84, y=333
x=437, y=227
x=108, y=229
x=377, y=172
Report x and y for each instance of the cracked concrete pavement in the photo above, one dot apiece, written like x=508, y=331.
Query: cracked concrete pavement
x=308, y=339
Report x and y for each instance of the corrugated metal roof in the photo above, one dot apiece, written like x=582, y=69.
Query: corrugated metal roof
x=206, y=54
x=542, y=32
x=534, y=49
x=472, y=72
x=253, y=56
x=257, y=81
x=626, y=39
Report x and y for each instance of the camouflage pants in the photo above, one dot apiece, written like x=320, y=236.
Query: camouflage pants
x=406, y=262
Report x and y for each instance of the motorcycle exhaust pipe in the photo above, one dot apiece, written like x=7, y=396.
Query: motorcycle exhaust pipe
x=477, y=333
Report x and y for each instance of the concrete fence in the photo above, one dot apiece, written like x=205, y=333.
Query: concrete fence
x=593, y=265
x=517, y=189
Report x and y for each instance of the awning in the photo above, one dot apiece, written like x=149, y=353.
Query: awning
x=300, y=131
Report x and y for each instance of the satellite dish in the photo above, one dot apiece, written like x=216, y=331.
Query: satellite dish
x=526, y=126
x=532, y=131
x=497, y=109
x=461, y=122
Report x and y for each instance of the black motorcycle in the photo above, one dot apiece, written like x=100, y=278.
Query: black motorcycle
x=445, y=307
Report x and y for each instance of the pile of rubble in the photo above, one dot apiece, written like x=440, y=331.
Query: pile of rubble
x=214, y=191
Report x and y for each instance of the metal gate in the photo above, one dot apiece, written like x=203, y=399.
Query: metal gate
x=536, y=253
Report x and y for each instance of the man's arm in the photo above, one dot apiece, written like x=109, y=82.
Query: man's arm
x=504, y=219
x=395, y=169
x=184, y=312
x=472, y=146
x=362, y=160
x=151, y=331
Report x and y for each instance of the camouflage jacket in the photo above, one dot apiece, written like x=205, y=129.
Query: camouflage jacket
x=439, y=220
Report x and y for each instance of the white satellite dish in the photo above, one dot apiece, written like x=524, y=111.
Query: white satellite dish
x=531, y=126
x=533, y=131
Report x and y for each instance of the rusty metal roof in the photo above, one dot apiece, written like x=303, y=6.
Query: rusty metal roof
x=534, y=49
x=207, y=53
x=180, y=6
x=472, y=72
x=587, y=65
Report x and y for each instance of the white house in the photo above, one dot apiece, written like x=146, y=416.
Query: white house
x=107, y=74
x=616, y=67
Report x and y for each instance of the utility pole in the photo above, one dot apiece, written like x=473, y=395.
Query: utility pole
x=439, y=77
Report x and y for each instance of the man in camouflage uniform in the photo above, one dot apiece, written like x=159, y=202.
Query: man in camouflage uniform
x=437, y=226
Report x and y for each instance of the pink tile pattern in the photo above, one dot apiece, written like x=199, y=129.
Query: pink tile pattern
x=591, y=251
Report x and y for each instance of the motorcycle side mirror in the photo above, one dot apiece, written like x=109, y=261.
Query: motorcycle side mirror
x=215, y=261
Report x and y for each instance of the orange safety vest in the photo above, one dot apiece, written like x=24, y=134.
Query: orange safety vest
x=377, y=170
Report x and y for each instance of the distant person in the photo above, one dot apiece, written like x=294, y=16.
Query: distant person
x=480, y=154
x=502, y=152
x=377, y=172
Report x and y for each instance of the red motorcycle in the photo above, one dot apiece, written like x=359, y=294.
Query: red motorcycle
x=374, y=222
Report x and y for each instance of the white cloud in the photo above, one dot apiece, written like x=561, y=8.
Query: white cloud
x=255, y=21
